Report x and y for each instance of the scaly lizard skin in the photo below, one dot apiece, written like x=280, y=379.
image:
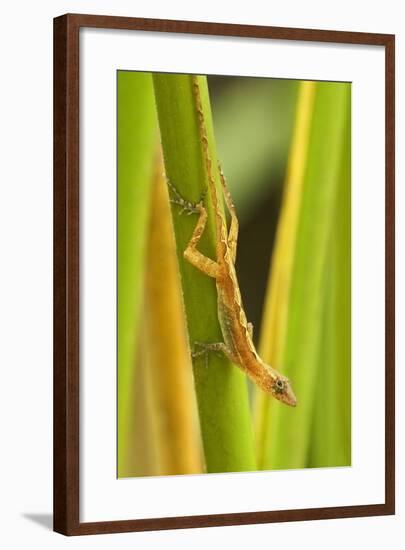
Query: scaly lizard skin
x=236, y=331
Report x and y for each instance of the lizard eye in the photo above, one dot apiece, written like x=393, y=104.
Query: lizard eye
x=279, y=386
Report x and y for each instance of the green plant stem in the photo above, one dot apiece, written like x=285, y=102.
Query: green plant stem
x=221, y=388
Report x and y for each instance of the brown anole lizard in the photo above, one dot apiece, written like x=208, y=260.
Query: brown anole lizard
x=237, y=333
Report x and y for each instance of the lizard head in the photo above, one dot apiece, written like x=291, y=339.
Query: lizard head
x=281, y=389
x=278, y=385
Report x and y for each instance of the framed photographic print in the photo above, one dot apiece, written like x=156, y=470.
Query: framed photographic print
x=223, y=274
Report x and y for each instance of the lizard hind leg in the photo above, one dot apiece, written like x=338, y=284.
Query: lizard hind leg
x=234, y=228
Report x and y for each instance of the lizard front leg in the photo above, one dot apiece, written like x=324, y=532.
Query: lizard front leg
x=191, y=254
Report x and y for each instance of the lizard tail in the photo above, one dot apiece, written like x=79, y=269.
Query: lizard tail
x=220, y=229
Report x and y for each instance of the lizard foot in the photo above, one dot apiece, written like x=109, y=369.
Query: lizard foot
x=206, y=348
x=186, y=206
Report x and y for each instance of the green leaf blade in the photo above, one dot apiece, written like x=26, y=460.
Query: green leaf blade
x=291, y=430
x=137, y=131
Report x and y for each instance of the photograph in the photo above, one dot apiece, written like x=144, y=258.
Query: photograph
x=233, y=269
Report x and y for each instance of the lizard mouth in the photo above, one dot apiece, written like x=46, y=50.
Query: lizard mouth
x=289, y=397
x=284, y=393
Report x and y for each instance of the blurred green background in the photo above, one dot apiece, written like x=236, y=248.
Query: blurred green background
x=284, y=147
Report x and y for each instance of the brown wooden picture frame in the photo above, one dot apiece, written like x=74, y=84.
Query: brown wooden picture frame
x=67, y=284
